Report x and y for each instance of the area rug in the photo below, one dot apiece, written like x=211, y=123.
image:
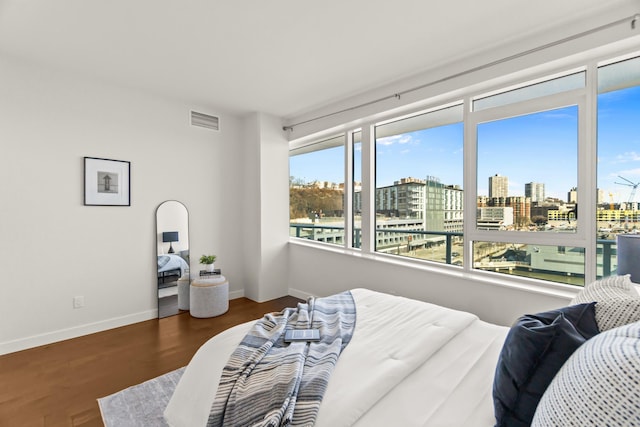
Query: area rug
x=141, y=405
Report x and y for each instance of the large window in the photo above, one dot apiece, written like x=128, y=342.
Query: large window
x=527, y=158
x=617, y=210
x=418, y=192
x=501, y=182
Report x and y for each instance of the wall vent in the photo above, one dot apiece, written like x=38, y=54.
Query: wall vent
x=205, y=120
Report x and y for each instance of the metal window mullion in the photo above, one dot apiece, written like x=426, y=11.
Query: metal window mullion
x=587, y=176
x=470, y=185
x=348, y=190
x=367, y=243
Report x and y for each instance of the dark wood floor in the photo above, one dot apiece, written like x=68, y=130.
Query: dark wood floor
x=58, y=384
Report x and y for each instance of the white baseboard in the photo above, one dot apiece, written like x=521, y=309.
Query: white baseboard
x=236, y=294
x=300, y=294
x=90, y=328
x=76, y=331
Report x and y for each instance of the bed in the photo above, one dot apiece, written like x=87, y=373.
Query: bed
x=397, y=370
x=412, y=363
x=171, y=264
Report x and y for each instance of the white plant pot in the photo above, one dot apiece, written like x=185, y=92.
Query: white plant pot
x=209, y=267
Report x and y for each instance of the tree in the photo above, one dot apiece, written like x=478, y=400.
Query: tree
x=306, y=202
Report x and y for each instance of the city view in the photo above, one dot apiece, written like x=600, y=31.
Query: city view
x=527, y=180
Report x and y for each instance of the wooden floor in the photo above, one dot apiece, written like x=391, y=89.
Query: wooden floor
x=58, y=384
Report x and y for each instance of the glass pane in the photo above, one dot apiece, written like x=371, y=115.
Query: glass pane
x=316, y=192
x=617, y=209
x=537, y=90
x=528, y=172
x=357, y=189
x=419, y=193
x=620, y=75
x=562, y=264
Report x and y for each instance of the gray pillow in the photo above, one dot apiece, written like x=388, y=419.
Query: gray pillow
x=599, y=385
x=618, y=302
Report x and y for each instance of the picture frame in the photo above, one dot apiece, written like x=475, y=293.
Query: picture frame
x=107, y=182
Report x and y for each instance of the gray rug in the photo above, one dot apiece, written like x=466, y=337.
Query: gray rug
x=141, y=405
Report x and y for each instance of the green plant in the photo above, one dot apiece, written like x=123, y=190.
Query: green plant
x=207, y=259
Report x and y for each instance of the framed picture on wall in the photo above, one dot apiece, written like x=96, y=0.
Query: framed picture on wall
x=107, y=182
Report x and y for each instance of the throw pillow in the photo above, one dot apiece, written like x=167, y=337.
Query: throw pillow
x=618, y=302
x=535, y=349
x=598, y=386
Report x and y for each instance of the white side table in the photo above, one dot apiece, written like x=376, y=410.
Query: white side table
x=183, y=292
x=209, y=297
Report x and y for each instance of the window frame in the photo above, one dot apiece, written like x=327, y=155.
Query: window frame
x=576, y=97
x=586, y=101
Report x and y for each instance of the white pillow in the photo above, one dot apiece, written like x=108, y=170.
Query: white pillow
x=618, y=302
x=599, y=385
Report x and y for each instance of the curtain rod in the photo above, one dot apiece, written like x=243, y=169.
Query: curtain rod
x=634, y=20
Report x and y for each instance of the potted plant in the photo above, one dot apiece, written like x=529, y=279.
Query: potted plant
x=208, y=261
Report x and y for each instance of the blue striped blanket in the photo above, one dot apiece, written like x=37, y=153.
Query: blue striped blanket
x=268, y=382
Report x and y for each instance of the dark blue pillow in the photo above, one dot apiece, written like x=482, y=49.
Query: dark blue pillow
x=533, y=352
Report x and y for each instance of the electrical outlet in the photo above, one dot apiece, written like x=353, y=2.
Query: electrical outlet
x=78, y=302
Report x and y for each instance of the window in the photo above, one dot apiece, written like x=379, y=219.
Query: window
x=520, y=157
x=617, y=208
x=527, y=161
x=418, y=196
x=533, y=150
x=316, y=191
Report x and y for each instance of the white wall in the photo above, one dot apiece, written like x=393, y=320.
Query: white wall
x=266, y=207
x=53, y=248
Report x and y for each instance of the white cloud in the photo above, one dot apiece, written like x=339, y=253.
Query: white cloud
x=630, y=156
x=400, y=139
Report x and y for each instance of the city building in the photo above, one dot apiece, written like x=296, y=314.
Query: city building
x=498, y=186
x=494, y=217
x=404, y=199
x=535, y=191
x=439, y=206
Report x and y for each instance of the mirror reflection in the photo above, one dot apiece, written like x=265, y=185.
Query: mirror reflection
x=172, y=244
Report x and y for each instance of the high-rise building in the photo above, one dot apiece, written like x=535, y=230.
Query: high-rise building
x=403, y=199
x=498, y=186
x=535, y=191
x=572, y=195
x=439, y=206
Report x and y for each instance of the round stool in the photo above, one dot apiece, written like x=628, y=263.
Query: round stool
x=209, y=297
x=183, y=292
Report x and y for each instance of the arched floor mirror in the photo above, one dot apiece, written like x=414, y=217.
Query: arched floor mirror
x=172, y=246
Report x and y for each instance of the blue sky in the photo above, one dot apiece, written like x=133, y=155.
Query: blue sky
x=539, y=147
x=619, y=142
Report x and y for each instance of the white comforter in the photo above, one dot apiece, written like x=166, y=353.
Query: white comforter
x=410, y=363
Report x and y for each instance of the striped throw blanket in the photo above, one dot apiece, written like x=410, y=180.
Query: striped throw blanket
x=268, y=382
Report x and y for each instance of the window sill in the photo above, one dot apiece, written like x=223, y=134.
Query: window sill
x=540, y=287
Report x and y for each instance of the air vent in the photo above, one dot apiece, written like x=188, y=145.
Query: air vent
x=205, y=120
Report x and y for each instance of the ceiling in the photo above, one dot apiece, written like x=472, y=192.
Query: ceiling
x=282, y=57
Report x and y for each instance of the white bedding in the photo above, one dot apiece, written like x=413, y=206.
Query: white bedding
x=428, y=366
x=171, y=262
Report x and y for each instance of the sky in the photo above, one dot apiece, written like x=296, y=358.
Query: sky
x=539, y=147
